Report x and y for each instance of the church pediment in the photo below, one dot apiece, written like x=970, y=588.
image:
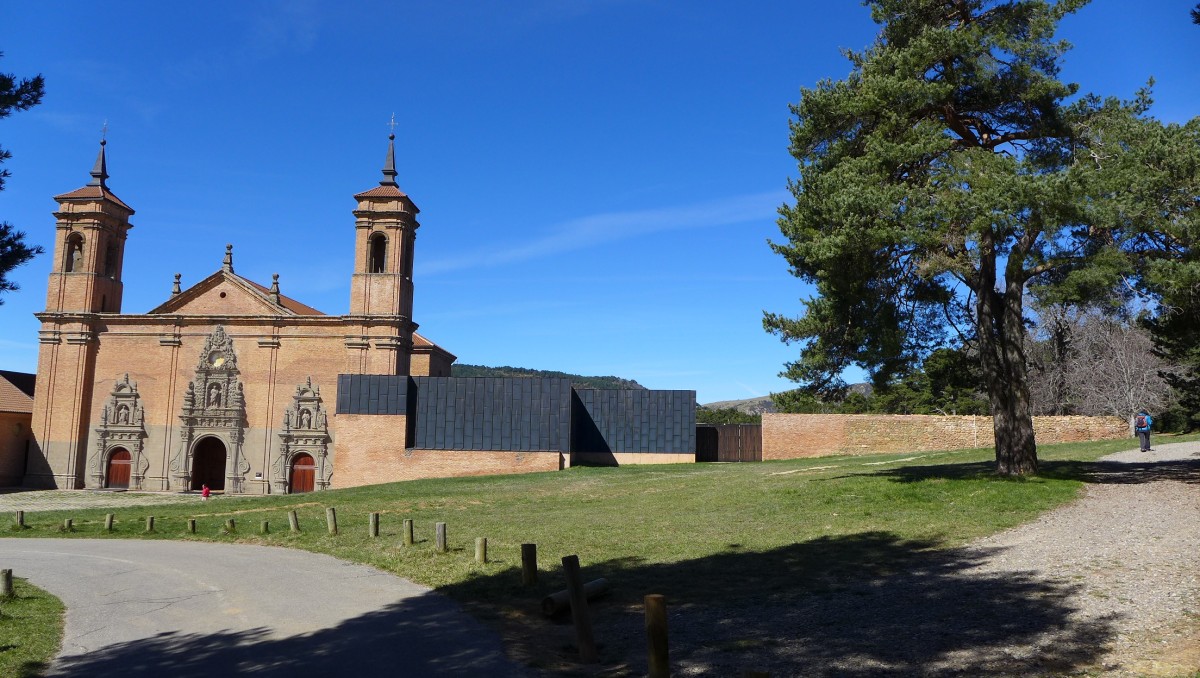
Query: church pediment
x=226, y=293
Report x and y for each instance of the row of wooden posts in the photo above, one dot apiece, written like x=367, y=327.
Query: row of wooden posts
x=575, y=596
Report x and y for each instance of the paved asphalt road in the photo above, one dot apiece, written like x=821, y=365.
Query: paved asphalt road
x=163, y=608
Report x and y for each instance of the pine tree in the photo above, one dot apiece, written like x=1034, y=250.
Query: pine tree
x=947, y=175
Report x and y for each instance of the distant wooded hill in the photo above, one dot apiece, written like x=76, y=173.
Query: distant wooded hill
x=577, y=380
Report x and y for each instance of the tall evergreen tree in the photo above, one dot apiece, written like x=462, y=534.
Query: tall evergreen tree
x=15, y=95
x=945, y=176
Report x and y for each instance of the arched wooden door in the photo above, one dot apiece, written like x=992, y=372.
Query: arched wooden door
x=119, y=464
x=304, y=472
x=208, y=464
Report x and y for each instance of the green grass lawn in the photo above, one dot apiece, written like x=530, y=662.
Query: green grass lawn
x=31, y=630
x=686, y=531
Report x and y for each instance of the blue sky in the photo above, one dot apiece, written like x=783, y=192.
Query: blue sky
x=597, y=179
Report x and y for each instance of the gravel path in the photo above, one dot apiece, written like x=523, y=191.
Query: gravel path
x=1128, y=550
x=1106, y=586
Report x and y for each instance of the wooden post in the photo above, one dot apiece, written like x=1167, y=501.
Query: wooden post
x=68, y=525
x=191, y=526
x=656, y=636
x=481, y=550
x=408, y=532
x=579, y=611
x=293, y=521
x=440, y=534
x=6, y=586
x=331, y=520
x=108, y=522
x=230, y=526
x=149, y=523
x=266, y=527
x=373, y=526
x=21, y=520
x=528, y=564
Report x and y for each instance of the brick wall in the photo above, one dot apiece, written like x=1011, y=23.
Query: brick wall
x=369, y=449
x=789, y=436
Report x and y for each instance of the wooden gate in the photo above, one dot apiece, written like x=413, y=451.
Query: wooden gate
x=304, y=472
x=729, y=442
x=119, y=464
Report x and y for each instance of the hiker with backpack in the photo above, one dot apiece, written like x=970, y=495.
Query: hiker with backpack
x=1141, y=426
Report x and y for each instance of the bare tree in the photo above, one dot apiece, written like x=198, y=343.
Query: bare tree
x=1116, y=370
x=1050, y=354
x=1094, y=362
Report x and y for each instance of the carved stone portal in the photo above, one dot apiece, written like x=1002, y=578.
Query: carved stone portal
x=305, y=431
x=214, y=406
x=121, y=426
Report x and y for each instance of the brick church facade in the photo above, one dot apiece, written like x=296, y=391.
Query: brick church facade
x=227, y=383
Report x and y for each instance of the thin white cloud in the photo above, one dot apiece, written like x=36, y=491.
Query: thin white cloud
x=754, y=392
x=589, y=231
x=283, y=27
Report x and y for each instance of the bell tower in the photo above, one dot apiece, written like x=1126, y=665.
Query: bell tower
x=381, y=289
x=89, y=247
x=85, y=283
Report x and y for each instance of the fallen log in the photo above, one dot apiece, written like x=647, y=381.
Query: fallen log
x=556, y=603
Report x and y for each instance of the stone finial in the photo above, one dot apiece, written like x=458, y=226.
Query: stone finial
x=227, y=262
x=275, y=288
x=176, y=289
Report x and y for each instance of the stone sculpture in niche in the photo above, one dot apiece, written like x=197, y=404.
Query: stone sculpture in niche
x=121, y=426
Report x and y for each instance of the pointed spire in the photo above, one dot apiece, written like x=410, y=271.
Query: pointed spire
x=227, y=262
x=389, y=165
x=100, y=170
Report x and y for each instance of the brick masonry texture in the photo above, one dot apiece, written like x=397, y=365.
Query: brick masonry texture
x=370, y=450
x=791, y=436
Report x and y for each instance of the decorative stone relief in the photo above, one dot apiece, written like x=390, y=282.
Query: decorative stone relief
x=214, y=405
x=305, y=431
x=121, y=425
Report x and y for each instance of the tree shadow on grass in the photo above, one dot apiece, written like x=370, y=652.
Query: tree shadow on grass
x=1099, y=472
x=422, y=636
x=868, y=604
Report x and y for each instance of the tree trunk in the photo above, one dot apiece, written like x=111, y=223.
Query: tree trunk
x=1002, y=351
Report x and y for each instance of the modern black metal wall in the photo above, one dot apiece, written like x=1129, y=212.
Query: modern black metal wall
x=372, y=394
x=492, y=413
x=634, y=421
x=521, y=414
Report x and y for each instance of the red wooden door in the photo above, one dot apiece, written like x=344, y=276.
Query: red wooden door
x=304, y=472
x=119, y=463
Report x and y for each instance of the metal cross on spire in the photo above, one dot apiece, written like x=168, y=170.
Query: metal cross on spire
x=104, y=132
x=392, y=125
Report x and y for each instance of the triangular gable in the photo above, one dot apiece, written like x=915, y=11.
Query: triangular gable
x=226, y=293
